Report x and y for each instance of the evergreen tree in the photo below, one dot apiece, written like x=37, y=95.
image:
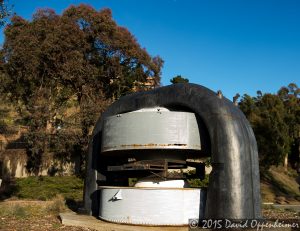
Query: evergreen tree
x=275, y=121
x=178, y=79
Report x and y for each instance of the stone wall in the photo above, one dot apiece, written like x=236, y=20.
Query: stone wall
x=13, y=164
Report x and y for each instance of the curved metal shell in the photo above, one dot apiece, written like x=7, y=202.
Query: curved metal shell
x=151, y=130
x=234, y=185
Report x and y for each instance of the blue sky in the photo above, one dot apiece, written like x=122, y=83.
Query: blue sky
x=238, y=46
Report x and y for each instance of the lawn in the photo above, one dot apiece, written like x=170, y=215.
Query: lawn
x=46, y=187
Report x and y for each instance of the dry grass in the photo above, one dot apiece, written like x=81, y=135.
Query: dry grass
x=267, y=192
x=285, y=178
x=57, y=205
x=34, y=215
x=280, y=186
x=28, y=208
x=273, y=213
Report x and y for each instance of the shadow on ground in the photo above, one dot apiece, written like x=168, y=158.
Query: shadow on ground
x=74, y=205
x=8, y=189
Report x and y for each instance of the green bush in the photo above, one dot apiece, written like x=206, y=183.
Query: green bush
x=197, y=183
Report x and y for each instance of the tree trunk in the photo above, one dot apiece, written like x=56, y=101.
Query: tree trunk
x=285, y=163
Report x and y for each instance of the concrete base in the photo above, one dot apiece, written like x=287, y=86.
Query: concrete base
x=91, y=222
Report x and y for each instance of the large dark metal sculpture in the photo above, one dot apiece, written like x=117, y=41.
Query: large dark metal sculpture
x=234, y=188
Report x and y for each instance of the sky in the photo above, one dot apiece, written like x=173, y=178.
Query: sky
x=236, y=46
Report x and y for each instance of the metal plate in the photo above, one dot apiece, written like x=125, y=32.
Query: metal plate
x=151, y=129
x=151, y=206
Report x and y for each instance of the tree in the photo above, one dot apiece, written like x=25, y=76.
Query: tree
x=272, y=131
x=178, y=79
x=290, y=98
x=5, y=12
x=275, y=121
x=80, y=59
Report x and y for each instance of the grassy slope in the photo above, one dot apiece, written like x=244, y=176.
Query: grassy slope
x=46, y=188
x=280, y=186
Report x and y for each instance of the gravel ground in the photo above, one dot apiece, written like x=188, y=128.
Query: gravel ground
x=271, y=213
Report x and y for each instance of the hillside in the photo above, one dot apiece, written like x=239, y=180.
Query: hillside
x=280, y=186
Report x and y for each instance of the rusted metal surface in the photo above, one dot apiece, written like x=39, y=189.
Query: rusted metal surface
x=160, y=167
x=151, y=129
x=155, y=145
